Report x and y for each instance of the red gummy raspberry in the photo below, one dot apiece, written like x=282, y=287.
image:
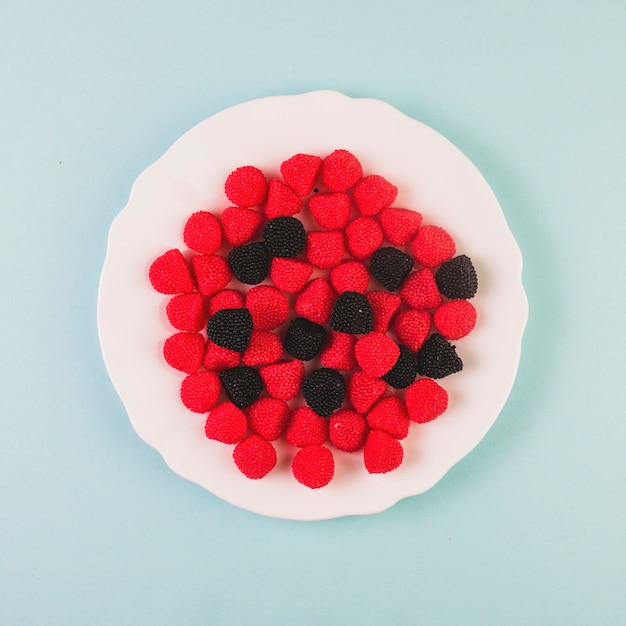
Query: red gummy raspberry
x=376, y=353
x=331, y=210
x=212, y=273
x=389, y=414
x=290, y=275
x=350, y=276
x=341, y=170
x=347, y=430
x=225, y=299
x=281, y=200
x=300, y=172
x=183, y=351
x=203, y=232
x=313, y=466
x=325, y=249
x=425, y=400
x=268, y=307
x=268, y=417
x=373, y=194
x=200, y=391
x=217, y=358
x=306, y=428
x=364, y=390
x=186, y=312
x=382, y=453
x=363, y=237
x=420, y=290
x=254, y=457
x=246, y=186
x=454, y=319
x=240, y=225
x=412, y=328
x=338, y=352
x=400, y=225
x=226, y=423
x=315, y=301
x=432, y=246
x=264, y=348
x=283, y=380
x=384, y=306
x=170, y=274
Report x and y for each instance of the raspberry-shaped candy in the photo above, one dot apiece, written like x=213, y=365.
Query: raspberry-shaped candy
x=404, y=372
x=400, y=225
x=283, y=380
x=240, y=225
x=455, y=319
x=300, y=172
x=432, y=246
x=255, y=457
x=290, y=275
x=390, y=267
x=306, y=428
x=425, y=400
x=185, y=311
x=183, y=351
x=250, y=263
x=203, y=232
x=324, y=390
x=217, y=358
x=382, y=453
x=438, y=358
x=389, y=414
x=376, y=353
x=199, y=392
x=170, y=274
x=331, y=210
x=242, y=384
x=313, y=466
x=304, y=339
x=364, y=390
x=457, y=278
x=363, y=237
x=315, y=301
x=412, y=328
x=420, y=290
x=373, y=194
x=284, y=237
x=384, y=306
x=347, y=430
x=338, y=353
x=350, y=276
x=268, y=306
x=352, y=314
x=226, y=423
x=231, y=328
x=325, y=249
x=281, y=200
x=264, y=348
x=341, y=170
x=246, y=186
x=212, y=273
x=268, y=417
x=225, y=299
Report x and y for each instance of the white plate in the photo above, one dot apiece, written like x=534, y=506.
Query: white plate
x=432, y=176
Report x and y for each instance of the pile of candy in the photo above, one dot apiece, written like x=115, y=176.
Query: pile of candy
x=372, y=355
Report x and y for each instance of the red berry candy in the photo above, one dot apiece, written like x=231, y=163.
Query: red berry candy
x=389, y=414
x=246, y=186
x=363, y=237
x=420, y=290
x=281, y=200
x=306, y=428
x=185, y=311
x=255, y=457
x=240, y=225
x=376, y=353
x=217, y=358
x=313, y=466
x=338, y=352
x=315, y=301
x=199, y=392
x=373, y=194
x=350, y=276
x=331, y=210
x=203, y=232
x=432, y=246
x=325, y=249
x=347, y=430
x=183, y=351
x=364, y=390
x=341, y=170
x=283, y=380
x=400, y=225
x=212, y=273
x=384, y=306
x=225, y=299
x=425, y=400
x=264, y=348
x=226, y=423
x=412, y=328
x=268, y=306
x=170, y=274
x=300, y=172
x=268, y=417
x=290, y=275
x=455, y=319
x=382, y=453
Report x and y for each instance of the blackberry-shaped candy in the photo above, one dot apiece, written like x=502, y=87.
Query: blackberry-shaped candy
x=324, y=391
x=456, y=278
x=390, y=267
x=230, y=328
x=304, y=339
x=243, y=385
x=284, y=237
x=352, y=313
x=438, y=358
x=250, y=263
x=404, y=372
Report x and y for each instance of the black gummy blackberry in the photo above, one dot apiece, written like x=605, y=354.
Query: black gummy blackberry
x=404, y=372
x=284, y=237
x=456, y=278
x=352, y=313
x=250, y=263
x=243, y=385
x=324, y=391
x=230, y=328
x=390, y=267
x=438, y=358
x=304, y=339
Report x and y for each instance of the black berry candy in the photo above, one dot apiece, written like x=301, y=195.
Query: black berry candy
x=456, y=278
x=404, y=372
x=438, y=358
x=243, y=385
x=324, y=391
x=230, y=328
x=250, y=263
x=284, y=237
x=352, y=313
x=390, y=267
x=304, y=339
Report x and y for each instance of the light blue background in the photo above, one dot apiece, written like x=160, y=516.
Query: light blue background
x=529, y=529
